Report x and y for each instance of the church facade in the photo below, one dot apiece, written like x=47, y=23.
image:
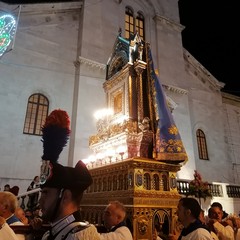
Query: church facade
x=59, y=59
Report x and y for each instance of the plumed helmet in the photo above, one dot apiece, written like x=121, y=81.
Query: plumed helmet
x=68, y=177
x=56, y=131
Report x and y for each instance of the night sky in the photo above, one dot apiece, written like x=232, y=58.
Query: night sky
x=211, y=35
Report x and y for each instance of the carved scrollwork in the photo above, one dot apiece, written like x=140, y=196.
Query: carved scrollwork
x=142, y=226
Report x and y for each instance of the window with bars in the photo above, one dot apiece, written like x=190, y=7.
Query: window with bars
x=120, y=182
x=147, y=181
x=109, y=183
x=133, y=24
x=37, y=111
x=155, y=182
x=202, y=145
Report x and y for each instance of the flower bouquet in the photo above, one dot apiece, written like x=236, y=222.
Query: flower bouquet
x=199, y=188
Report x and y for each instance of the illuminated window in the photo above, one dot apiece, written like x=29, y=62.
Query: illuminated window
x=37, y=111
x=140, y=25
x=202, y=145
x=132, y=24
x=129, y=23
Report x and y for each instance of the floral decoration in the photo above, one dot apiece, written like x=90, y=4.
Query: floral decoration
x=198, y=187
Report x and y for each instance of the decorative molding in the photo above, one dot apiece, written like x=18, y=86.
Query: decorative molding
x=231, y=96
x=175, y=89
x=117, y=78
x=168, y=22
x=51, y=8
x=91, y=63
x=202, y=70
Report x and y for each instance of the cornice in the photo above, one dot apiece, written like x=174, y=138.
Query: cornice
x=50, y=8
x=175, y=89
x=230, y=97
x=202, y=70
x=168, y=22
x=91, y=63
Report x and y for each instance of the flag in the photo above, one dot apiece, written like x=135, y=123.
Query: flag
x=168, y=146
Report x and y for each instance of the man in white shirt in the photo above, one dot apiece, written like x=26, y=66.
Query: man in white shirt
x=188, y=211
x=6, y=233
x=114, y=220
x=222, y=229
x=8, y=205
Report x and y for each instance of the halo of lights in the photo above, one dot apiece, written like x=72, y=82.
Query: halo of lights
x=7, y=31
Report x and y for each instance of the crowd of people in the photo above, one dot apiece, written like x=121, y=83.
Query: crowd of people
x=62, y=189
x=59, y=206
x=32, y=197
x=217, y=225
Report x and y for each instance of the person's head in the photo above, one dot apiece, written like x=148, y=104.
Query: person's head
x=36, y=179
x=218, y=204
x=215, y=212
x=114, y=213
x=20, y=214
x=63, y=190
x=8, y=204
x=188, y=210
x=62, y=187
x=14, y=190
x=6, y=187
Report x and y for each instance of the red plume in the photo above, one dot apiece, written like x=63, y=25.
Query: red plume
x=56, y=131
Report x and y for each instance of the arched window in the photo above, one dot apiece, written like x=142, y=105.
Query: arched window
x=133, y=25
x=165, y=182
x=37, y=111
x=129, y=23
x=202, y=145
x=156, y=182
x=140, y=25
x=147, y=181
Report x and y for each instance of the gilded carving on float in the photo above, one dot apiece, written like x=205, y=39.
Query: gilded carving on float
x=118, y=103
x=106, y=131
x=142, y=226
x=135, y=158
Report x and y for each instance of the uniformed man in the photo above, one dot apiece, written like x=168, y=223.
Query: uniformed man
x=60, y=202
x=61, y=186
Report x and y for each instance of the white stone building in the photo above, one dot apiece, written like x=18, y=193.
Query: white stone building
x=60, y=53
